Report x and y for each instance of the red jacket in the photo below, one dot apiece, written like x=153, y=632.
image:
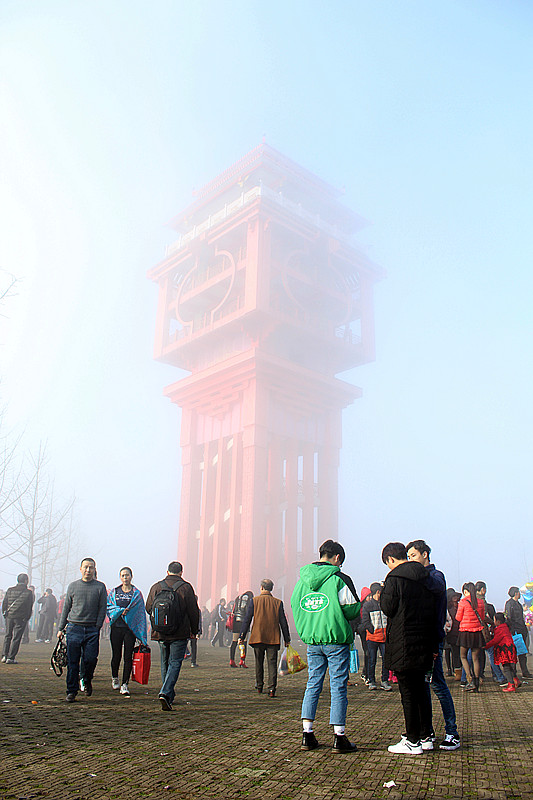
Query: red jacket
x=504, y=647
x=467, y=617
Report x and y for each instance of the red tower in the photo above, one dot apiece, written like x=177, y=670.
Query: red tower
x=263, y=298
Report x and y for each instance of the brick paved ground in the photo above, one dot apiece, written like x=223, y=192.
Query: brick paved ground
x=223, y=740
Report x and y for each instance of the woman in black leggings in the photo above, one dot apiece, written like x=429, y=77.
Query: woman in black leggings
x=125, y=616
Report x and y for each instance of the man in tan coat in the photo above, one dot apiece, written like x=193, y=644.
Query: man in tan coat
x=268, y=619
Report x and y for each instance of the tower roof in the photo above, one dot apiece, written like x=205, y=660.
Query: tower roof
x=264, y=165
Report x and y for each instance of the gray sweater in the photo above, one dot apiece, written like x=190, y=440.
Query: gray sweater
x=85, y=604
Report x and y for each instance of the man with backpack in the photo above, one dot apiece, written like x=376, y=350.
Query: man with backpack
x=174, y=616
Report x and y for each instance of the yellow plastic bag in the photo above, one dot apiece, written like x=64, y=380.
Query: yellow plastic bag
x=290, y=662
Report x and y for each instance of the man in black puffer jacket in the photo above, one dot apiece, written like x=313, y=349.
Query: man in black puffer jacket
x=411, y=643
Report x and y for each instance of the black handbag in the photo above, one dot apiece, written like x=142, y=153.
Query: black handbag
x=59, y=657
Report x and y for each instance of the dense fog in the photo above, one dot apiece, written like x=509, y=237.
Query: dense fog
x=115, y=113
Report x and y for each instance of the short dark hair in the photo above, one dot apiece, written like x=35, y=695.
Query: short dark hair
x=420, y=545
x=394, y=550
x=513, y=590
x=481, y=585
x=50, y=590
x=23, y=578
x=375, y=587
x=267, y=584
x=499, y=617
x=175, y=568
x=330, y=549
x=129, y=570
x=88, y=559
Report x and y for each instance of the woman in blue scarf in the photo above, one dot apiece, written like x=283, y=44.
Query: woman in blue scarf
x=127, y=619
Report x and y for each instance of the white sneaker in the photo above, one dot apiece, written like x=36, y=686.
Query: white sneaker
x=428, y=743
x=115, y=683
x=82, y=685
x=124, y=689
x=3, y=659
x=405, y=747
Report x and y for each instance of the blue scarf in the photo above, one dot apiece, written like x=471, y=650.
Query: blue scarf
x=134, y=615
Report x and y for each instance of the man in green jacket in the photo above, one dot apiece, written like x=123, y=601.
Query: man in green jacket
x=323, y=603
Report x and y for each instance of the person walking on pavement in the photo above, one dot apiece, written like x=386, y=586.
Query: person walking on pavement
x=17, y=606
x=173, y=642
x=240, y=607
x=82, y=617
x=219, y=621
x=420, y=551
x=127, y=623
x=268, y=618
x=323, y=602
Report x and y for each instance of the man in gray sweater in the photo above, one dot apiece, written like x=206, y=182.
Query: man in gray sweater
x=83, y=615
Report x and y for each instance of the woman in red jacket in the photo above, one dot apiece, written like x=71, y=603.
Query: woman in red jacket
x=470, y=613
x=505, y=652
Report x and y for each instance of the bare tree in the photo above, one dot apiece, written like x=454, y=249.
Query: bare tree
x=36, y=524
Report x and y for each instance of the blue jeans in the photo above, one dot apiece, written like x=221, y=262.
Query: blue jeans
x=171, y=659
x=81, y=640
x=496, y=671
x=373, y=648
x=440, y=687
x=319, y=658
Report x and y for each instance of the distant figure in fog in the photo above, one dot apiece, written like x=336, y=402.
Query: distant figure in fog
x=127, y=620
x=239, y=610
x=47, y=616
x=16, y=607
x=219, y=621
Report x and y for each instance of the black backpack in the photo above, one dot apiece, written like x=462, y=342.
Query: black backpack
x=166, y=615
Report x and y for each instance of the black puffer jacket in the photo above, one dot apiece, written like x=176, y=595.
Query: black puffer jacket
x=18, y=602
x=412, y=625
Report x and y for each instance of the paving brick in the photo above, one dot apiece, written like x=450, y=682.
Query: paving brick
x=223, y=740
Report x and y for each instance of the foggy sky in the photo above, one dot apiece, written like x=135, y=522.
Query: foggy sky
x=113, y=113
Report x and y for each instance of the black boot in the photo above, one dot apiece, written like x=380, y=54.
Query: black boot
x=232, y=650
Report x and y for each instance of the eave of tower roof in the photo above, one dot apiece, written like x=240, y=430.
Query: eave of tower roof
x=272, y=167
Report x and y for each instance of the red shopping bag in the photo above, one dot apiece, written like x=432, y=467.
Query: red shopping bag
x=141, y=664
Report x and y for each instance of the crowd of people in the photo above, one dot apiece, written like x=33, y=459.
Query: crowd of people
x=410, y=619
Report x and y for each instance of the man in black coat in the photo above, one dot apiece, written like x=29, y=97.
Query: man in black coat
x=411, y=643
x=16, y=608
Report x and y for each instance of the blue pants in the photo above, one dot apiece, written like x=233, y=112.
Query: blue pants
x=373, y=648
x=171, y=660
x=496, y=670
x=440, y=687
x=319, y=658
x=81, y=639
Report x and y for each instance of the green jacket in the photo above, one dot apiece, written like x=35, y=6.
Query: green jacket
x=322, y=603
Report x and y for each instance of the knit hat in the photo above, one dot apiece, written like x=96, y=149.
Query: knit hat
x=365, y=591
